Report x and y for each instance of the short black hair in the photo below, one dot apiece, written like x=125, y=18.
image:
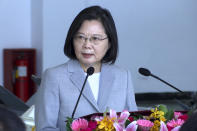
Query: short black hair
x=9, y=121
x=105, y=17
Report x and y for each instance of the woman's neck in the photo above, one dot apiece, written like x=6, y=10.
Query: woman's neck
x=97, y=67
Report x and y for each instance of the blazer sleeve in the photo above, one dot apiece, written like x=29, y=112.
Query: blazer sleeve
x=47, y=103
x=130, y=103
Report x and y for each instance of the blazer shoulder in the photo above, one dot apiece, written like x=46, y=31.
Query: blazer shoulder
x=58, y=68
x=117, y=69
x=56, y=71
x=63, y=69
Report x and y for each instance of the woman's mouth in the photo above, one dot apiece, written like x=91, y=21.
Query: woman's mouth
x=86, y=55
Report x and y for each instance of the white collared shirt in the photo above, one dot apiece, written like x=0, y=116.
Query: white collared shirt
x=94, y=84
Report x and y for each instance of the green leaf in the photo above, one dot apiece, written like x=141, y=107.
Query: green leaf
x=68, y=124
x=170, y=114
x=163, y=108
x=137, y=116
x=127, y=123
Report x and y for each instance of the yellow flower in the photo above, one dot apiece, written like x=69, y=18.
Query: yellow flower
x=157, y=115
x=33, y=128
x=155, y=126
x=157, y=123
x=163, y=119
x=105, y=125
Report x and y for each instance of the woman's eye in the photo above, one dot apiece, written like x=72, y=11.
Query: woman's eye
x=80, y=37
x=95, y=38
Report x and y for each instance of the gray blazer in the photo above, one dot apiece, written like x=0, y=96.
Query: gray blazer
x=60, y=88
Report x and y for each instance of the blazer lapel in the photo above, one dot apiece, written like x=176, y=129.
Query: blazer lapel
x=106, y=81
x=78, y=78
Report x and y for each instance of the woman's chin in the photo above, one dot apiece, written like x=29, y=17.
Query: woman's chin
x=88, y=63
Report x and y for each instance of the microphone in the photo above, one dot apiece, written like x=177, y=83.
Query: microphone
x=146, y=72
x=90, y=71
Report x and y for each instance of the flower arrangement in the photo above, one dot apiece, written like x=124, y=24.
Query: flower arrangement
x=159, y=119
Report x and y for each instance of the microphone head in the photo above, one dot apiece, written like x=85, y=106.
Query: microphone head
x=90, y=70
x=144, y=71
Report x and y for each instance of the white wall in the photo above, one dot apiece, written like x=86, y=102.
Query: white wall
x=160, y=35
x=15, y=27
x=37, y=32
x=157, y=34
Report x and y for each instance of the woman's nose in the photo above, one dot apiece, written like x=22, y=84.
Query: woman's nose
x=87, y=43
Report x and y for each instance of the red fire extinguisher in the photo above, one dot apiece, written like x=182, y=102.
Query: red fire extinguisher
x=21, y=86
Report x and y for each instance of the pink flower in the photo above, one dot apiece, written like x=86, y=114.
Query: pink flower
x=123, y=117
x=183, y=117
x=92, y=125
x=118, y=127
x=176, y=128
x=177, y=114
x=113, y=114
x=174, y=123
x=132, y=126
x=163, y=126
x=144, y=125
x=119, y=121
x=87, y=129
x=79, y=124
x=130, y=119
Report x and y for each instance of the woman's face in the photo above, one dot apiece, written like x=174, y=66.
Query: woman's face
x=91, y=43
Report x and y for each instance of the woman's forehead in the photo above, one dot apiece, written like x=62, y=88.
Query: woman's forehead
x=92, y=27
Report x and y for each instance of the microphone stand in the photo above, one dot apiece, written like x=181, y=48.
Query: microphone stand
x=166, y=83
x=178, y=101
x=80, y=95
x=146, y=72
x=90, y=71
